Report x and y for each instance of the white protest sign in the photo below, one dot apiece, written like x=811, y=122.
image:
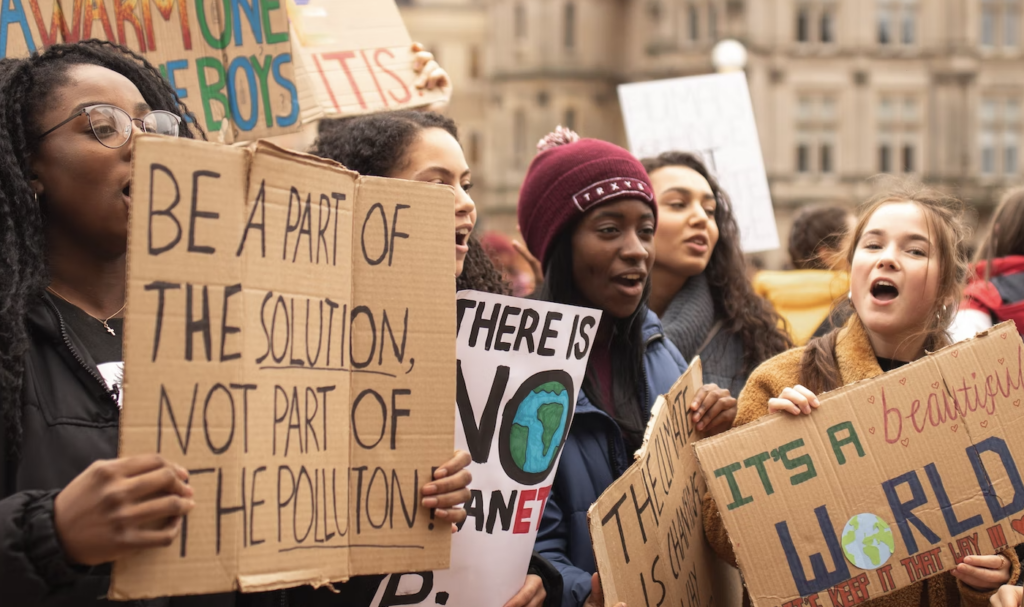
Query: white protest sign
x=712, y=116
x=520, y=367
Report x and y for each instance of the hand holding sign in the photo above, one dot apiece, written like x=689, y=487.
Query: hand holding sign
x=1008, y=596
x=795, y=400
x=119, y=506
x=713, y=409
x=983, y=573
x=596, y=598
x=449, y=489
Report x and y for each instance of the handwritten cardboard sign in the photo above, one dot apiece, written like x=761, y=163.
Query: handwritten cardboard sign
x=712, y=116
x=290, y=340
x=520, y=367
x=891, y=481
x=234, y=62
x=647, y=527
x=352, y=66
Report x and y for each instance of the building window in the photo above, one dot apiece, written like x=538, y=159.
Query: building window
x=897, y=22
x=828, y=25
x=825, y=161
x=803, y=158
x=519, y=137
x=885, y=157
x=1000, y=135
x=570, y=26
x=817, y=126
x=803, y=24
x=474, y=62
x=570, y=119
x=1000, y=23
x=473, y=153
x=908, y=158
x=520, y=21
x=820, y=14
x=899, y=133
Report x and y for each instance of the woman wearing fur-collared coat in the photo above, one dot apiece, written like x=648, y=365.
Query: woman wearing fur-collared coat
x=906, y=273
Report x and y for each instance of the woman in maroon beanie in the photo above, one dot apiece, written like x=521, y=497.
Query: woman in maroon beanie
x=587, y=212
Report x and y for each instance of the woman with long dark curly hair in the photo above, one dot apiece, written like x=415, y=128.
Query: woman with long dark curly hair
x=68, y=505
x=700, y=289
x=419, y=146
x=424, y=146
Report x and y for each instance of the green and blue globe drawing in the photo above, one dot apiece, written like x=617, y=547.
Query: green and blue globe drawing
x=538, y=427
x=867, y=541
x=534, y=425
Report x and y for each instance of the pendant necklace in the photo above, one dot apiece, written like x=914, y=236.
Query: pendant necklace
x=101, y=320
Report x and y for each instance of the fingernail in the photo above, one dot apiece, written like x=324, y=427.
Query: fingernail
x=441, y=473
x=700, y=426
x=430, y=489
x=182, y=472
x=429, y=502
x=189, y=491
x=441, y=513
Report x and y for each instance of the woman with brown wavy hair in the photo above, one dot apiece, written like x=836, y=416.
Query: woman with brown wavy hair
x=907, y=270
x=700, y=289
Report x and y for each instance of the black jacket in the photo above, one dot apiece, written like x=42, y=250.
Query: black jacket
x=69, y=419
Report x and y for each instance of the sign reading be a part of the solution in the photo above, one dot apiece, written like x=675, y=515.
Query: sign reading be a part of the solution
x=290, y=340
x=891, y=481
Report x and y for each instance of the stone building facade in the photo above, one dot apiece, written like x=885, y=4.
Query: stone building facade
x=843, y=90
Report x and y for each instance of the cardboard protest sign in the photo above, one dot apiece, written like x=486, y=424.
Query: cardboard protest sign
x=711, y=115
x=230, y=62
x=647, y=527
x=353, y=65
x=235, y=63
x=891, y=481
x=520, y=368
x=289, y=339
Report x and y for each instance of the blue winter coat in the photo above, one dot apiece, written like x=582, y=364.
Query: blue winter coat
x=594, y=456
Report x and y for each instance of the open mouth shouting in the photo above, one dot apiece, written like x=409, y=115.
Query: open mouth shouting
x=630, y=284
x=884, y=291
x=462, y=238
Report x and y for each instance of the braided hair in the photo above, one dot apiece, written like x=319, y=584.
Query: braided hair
x=375, y=145
x=26, y=87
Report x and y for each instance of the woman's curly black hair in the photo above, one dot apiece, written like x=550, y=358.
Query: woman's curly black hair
x=375, y=145
x=742, y=311
x=26, y=88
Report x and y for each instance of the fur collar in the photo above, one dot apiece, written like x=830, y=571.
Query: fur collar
x=856, y=357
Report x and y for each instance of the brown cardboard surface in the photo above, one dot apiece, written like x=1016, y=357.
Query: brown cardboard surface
x=353, y=66
x=309, y=385
x=234, y=63
x=233, y=69
x=647, y=527
x=931, y=450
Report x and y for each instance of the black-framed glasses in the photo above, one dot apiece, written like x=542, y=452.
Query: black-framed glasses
x=112, y=126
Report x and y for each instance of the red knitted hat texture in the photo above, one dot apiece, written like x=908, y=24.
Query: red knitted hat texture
x=566, y=181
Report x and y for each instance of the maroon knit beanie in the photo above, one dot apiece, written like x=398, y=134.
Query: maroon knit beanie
x=571, y=177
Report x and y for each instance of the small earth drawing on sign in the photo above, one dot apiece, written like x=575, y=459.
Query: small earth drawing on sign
x=867, y=541
x=539, y=426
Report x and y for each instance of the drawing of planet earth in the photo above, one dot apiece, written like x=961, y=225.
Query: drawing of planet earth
x=538, y=427
x=867, y=541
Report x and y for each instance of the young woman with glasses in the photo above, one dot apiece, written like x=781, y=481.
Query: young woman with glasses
x=68, y=505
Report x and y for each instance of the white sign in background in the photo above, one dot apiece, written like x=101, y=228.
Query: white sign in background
x=521, y=366
x=711, y=115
